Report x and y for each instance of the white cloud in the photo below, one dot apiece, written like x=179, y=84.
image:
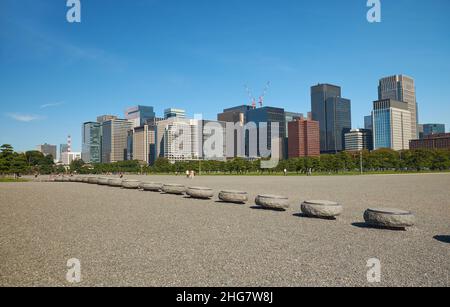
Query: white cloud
x=24, y=117
x=51, y=105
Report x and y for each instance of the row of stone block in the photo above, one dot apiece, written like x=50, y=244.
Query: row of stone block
x=388, y=218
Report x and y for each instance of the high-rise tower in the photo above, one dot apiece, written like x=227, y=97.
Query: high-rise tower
x=401, y=88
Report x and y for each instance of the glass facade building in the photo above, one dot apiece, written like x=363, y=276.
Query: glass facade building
x=267, y=115
x=391, y=124
x=430, y=129
x=368, y=122
x=92, y=142
x=140, y=115
x=115, y=140
x=171, y=113
x=333, y=114
x=401, y=88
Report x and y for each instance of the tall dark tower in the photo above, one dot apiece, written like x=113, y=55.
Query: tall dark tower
x=333, y=114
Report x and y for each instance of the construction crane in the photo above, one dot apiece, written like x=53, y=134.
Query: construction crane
x=250, y=95
x=261, y=98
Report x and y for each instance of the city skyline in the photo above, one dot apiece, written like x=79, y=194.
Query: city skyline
x=205, y=72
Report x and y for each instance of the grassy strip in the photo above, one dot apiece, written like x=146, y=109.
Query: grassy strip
x=6, y=179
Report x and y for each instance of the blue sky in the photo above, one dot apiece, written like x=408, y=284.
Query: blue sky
x=198, y=54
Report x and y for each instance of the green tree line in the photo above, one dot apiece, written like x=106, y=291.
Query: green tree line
x=381, y=160
x=34, y=162
x=30, y=162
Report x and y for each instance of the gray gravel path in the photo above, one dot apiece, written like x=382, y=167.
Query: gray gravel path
x=135, y=238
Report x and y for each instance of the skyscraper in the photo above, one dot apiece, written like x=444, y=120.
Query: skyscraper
x=171, y=112
x=139, y=115
x=209, y=132
x=177, y=139
x=304, y=138
x=234, y=115
x=269, y=115
x=91, y=142
x=368, y=125
x=63, y=148
x=114, y=140
x=47, y=149
x=143, y=143
x=401, y=88
x=391, y=124
x=104, y=118
x=333, y=114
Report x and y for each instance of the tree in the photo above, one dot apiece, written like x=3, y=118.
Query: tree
x=6, y=151
x=440, y=160
x=5, y=166
x=76, y=166
x=34, y=158
x=19, y=164
x=163, y=165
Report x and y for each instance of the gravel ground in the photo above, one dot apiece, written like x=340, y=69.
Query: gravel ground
x=135, y=238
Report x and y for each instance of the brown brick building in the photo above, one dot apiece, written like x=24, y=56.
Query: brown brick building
x=434, y=141
x=304, y=138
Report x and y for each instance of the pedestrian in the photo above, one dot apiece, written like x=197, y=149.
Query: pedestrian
x=285, y=172
x=187, y=174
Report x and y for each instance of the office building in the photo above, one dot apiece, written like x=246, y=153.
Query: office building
x=304, y=138
x=63, y=148
x=48, y=150
x=271, y=116
x=213, y=140
x=368, y=125
x=333, y=114
x=114, y=140
x=139, y=115
x=142, y=144
x=177, y=139
x=171, y=112
x=401, y=88
x=251, y=119
x=432, y=141
x=68, y=157
x=91, y=142
x=420, y=131
x=391, y=124
x=104, y=118
x=234, y=115
x=359, y=139
x=289, y=117
x=429, y=129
